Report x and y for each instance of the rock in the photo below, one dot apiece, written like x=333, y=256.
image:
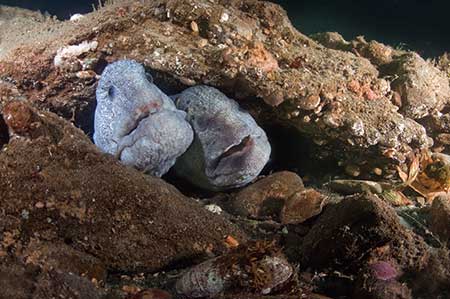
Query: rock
x=151, y=294
x=349, y=187
x=350, y=229
x=378, y=53
x=433, y=281
x=423, y=88
x=380, y=282
x=12, y=18
x=60, y=188
x=302, y=205
x=332, y=40
x=266, y=197
x=16, y=281
x=213, y=208
x=61, y=257
x=56, y=284
x=440, y=218
x=247, y=57
x=20, y=281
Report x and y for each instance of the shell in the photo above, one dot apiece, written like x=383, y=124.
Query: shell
x=279, y=270
x=137, y=122
x=229, y=148
x=203, y=280
x=258, y=267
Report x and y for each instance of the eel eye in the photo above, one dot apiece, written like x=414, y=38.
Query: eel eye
x=111, y=92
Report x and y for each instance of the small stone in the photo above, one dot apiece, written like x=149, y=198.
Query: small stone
x=25, y=214
x=86, y=74
x=353, y=170
x=274, y=99
x=18, y=117
x=266, y=197
x=302, y=206
x=224, y=17
x=354, y=86
x=377, y=171
x=76, y=17
x=130, y=289
x=194, y=27
x=396, y=99
x=259, y=57
x=39, y=205
x=309, y=103
x=215, y=209
x=202, y=42
x=354, y=186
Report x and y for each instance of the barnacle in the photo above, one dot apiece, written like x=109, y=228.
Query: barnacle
x=229, y=148
x=137, y=122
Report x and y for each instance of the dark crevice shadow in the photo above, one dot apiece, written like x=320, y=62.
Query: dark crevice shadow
x=4, y=135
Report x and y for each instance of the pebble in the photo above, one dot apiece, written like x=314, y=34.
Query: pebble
x=354, y=186
x=194, y=26
x=302, y=206
x=266, y=197
x=76, y=17
x=215, y=209
x=353, y=170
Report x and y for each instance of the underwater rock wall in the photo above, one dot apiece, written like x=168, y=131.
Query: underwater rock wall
x=248, y=50
x=75, y=221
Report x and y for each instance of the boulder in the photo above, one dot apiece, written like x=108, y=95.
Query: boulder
x=348, y=231
x=440, y=218
x=423, y=88
x=56, y=186
x=265, y=198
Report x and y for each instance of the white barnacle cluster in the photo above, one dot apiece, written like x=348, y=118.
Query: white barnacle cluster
x=211, y=141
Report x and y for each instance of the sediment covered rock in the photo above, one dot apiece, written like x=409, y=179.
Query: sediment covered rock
x=56, y=186
x=266, y=197
x=349, y=230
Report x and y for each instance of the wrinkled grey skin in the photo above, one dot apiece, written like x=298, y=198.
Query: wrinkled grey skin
x=137, y=122
x=229, y=148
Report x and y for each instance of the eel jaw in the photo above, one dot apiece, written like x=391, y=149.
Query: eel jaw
x=235, y=157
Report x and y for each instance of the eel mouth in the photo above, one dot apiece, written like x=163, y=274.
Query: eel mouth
x=240, y=147
x=234, y=155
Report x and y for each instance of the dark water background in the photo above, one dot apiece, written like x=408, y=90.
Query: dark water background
x=420, y=25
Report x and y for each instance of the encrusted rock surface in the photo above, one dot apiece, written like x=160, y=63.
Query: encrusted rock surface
x=422, y=87
x=248, y=49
